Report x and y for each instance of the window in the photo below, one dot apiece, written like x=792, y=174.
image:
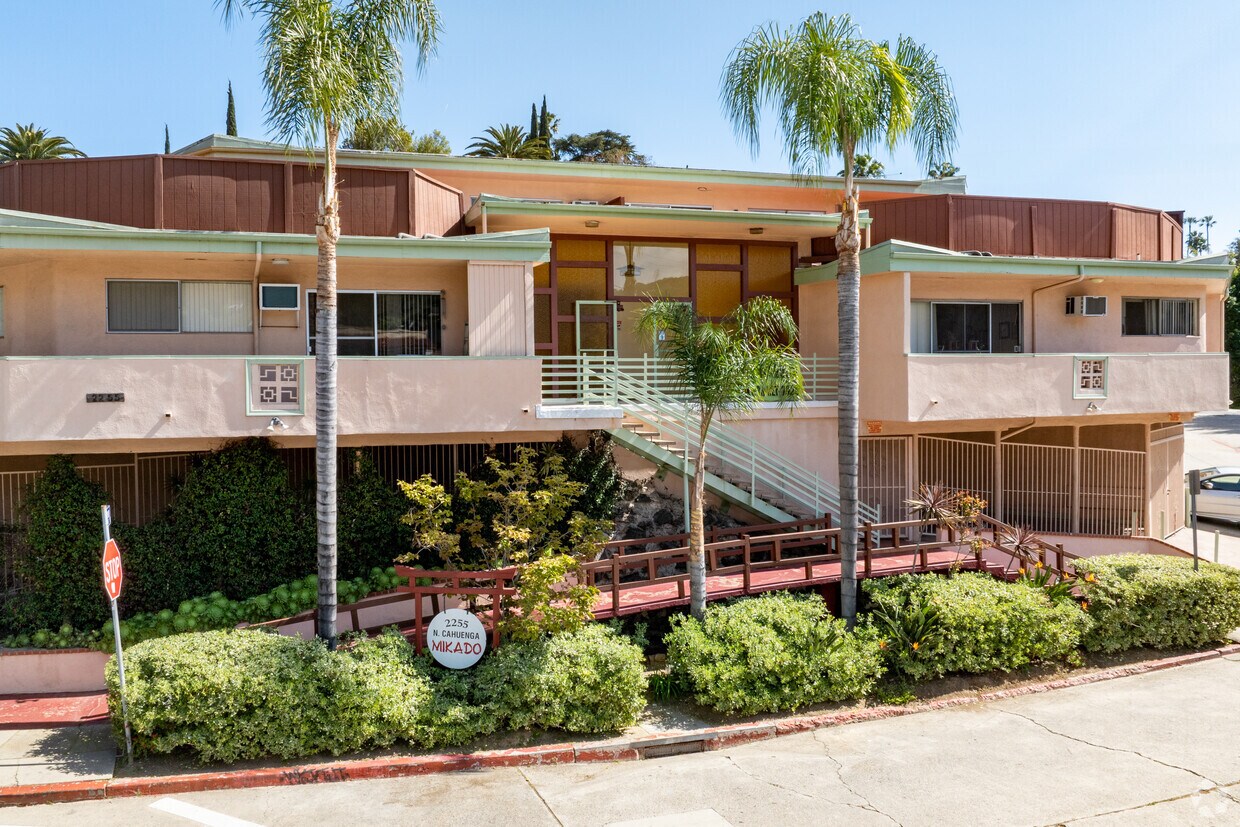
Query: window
x=1160, y=317
x=1227, y=482
x=384, y=324
x=170, y=306
x=965, y=327
x=658, y=270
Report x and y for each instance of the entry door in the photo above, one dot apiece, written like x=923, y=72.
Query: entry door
x=596, y=328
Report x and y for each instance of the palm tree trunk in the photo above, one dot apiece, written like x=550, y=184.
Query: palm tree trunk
x=848, y=284
x=327, y=233
x=697, y=527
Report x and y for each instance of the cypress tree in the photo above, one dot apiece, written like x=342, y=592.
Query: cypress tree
x=544, y=123
x=231, y=118
x=167, y=141
x=534, y=122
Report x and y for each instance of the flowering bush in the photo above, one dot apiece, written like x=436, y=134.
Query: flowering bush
x=1157, y=600
x=771, y=653
x=979, y=624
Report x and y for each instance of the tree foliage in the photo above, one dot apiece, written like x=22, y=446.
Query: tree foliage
x=506, y=141
x=867, y=166
x=230, y=116
x=31, y=143
x=604, y=147
x=944, y=169
x=388, y=134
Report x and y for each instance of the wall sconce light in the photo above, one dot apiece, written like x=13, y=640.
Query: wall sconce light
x=591, y=223
x=1095, y=281
x=1091, y=408
x=279, y=262
x=276, y=424
x=755, y=231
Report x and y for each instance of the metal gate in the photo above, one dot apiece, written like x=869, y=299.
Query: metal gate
x=884, y=477
x=957, y=464
x=1112, y=498
x=1037, y=487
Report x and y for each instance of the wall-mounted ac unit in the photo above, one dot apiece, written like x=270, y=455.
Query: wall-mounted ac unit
x=1086, y=306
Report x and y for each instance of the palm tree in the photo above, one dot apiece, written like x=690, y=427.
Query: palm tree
x=30, y=143
x=724, y=368
x=838, y=93
x=1208, y=221
x=867, y=166
x=506, y=141
x=329, y=66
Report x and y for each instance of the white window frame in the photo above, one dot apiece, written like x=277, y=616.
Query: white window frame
x=990, y=323
x=1194, y=315
x=107, y=315
x=374, y=307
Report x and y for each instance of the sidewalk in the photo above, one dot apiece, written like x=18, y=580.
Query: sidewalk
x=55, y=739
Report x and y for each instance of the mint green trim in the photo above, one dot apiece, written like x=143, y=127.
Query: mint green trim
x=216, y=145
x=496, y=205
x=250, y=362
x=904, y=257
x=520, y=245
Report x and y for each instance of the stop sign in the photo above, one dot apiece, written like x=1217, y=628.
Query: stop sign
x=112, y=572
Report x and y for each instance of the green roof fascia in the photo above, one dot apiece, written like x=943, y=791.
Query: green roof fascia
x=509, y=206
x=220, y=144
x=897, y=256
x=520, y=245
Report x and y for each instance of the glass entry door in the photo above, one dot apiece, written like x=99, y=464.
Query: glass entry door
x=596, y=328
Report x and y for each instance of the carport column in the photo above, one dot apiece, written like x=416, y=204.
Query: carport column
x=997, y=505
x=1076, y=479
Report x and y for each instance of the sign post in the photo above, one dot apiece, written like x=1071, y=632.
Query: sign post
x=113, y=575
x=1194, y=488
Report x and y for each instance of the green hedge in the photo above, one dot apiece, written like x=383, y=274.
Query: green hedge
x=1158, y=601
x=234, y=695
x=62, y=582
x=771, y=653
x=978, y=624
x=591, y=680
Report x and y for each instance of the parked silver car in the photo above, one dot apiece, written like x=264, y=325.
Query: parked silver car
x=1220, y=494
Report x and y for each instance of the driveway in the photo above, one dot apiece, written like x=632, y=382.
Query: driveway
x=1158, y=748
x=1212, y=439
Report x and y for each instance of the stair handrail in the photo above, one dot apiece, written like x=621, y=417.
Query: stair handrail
x=666, y=413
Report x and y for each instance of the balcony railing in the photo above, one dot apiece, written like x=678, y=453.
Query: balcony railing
x=584, y=380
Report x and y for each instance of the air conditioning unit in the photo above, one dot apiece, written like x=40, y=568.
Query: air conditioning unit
x=1086, y=306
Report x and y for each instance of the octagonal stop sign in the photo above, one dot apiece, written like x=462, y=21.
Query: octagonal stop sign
x=113, y=574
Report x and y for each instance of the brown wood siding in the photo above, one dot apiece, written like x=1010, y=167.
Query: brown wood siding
x=1027, y=227
x=437, y=208
x=188, y=193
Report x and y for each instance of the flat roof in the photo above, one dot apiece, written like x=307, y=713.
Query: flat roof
x=902, y=256
x=34, y=231
x=227, y=144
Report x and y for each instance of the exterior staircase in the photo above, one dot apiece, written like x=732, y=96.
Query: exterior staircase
x=661, y=427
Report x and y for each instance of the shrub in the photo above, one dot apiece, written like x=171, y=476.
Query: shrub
x=236, y=524
x=594, y=466
x=233, y=695
x=371, y=532
x=62, y=581
x=771, y=653
x=1157, y=600
x=590, y=680
x=980, y=624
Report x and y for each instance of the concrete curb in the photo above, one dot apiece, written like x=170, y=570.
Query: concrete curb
x=710, y=739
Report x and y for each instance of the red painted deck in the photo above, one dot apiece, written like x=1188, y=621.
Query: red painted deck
x=48, y=711
x=663, y=594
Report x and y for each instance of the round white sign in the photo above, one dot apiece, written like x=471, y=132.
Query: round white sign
x=456, y=638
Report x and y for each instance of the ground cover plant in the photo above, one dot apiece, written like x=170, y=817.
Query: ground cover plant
x=238, y=694
x=1157, y=601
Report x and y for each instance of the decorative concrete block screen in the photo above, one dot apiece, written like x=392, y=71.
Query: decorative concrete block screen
x=274, y=387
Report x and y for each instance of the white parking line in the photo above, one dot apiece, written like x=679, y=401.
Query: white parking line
x=199, y=814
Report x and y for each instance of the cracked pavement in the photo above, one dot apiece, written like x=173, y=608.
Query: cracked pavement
x=1155, y=749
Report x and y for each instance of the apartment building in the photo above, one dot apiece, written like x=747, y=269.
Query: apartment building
x=1042, y=353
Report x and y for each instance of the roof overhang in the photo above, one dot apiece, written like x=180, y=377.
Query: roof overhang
x=504, y=213
x=31, y=231
x=221, y=145
x=905, y=257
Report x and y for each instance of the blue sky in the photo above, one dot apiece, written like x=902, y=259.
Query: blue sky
x=1137, y=102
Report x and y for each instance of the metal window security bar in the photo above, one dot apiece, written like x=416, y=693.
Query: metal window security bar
x=383, y=323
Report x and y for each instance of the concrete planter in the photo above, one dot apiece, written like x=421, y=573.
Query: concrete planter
x=41, y=671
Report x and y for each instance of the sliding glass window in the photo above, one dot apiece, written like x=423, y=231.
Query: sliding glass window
x=965, y=327
x=384, y=324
